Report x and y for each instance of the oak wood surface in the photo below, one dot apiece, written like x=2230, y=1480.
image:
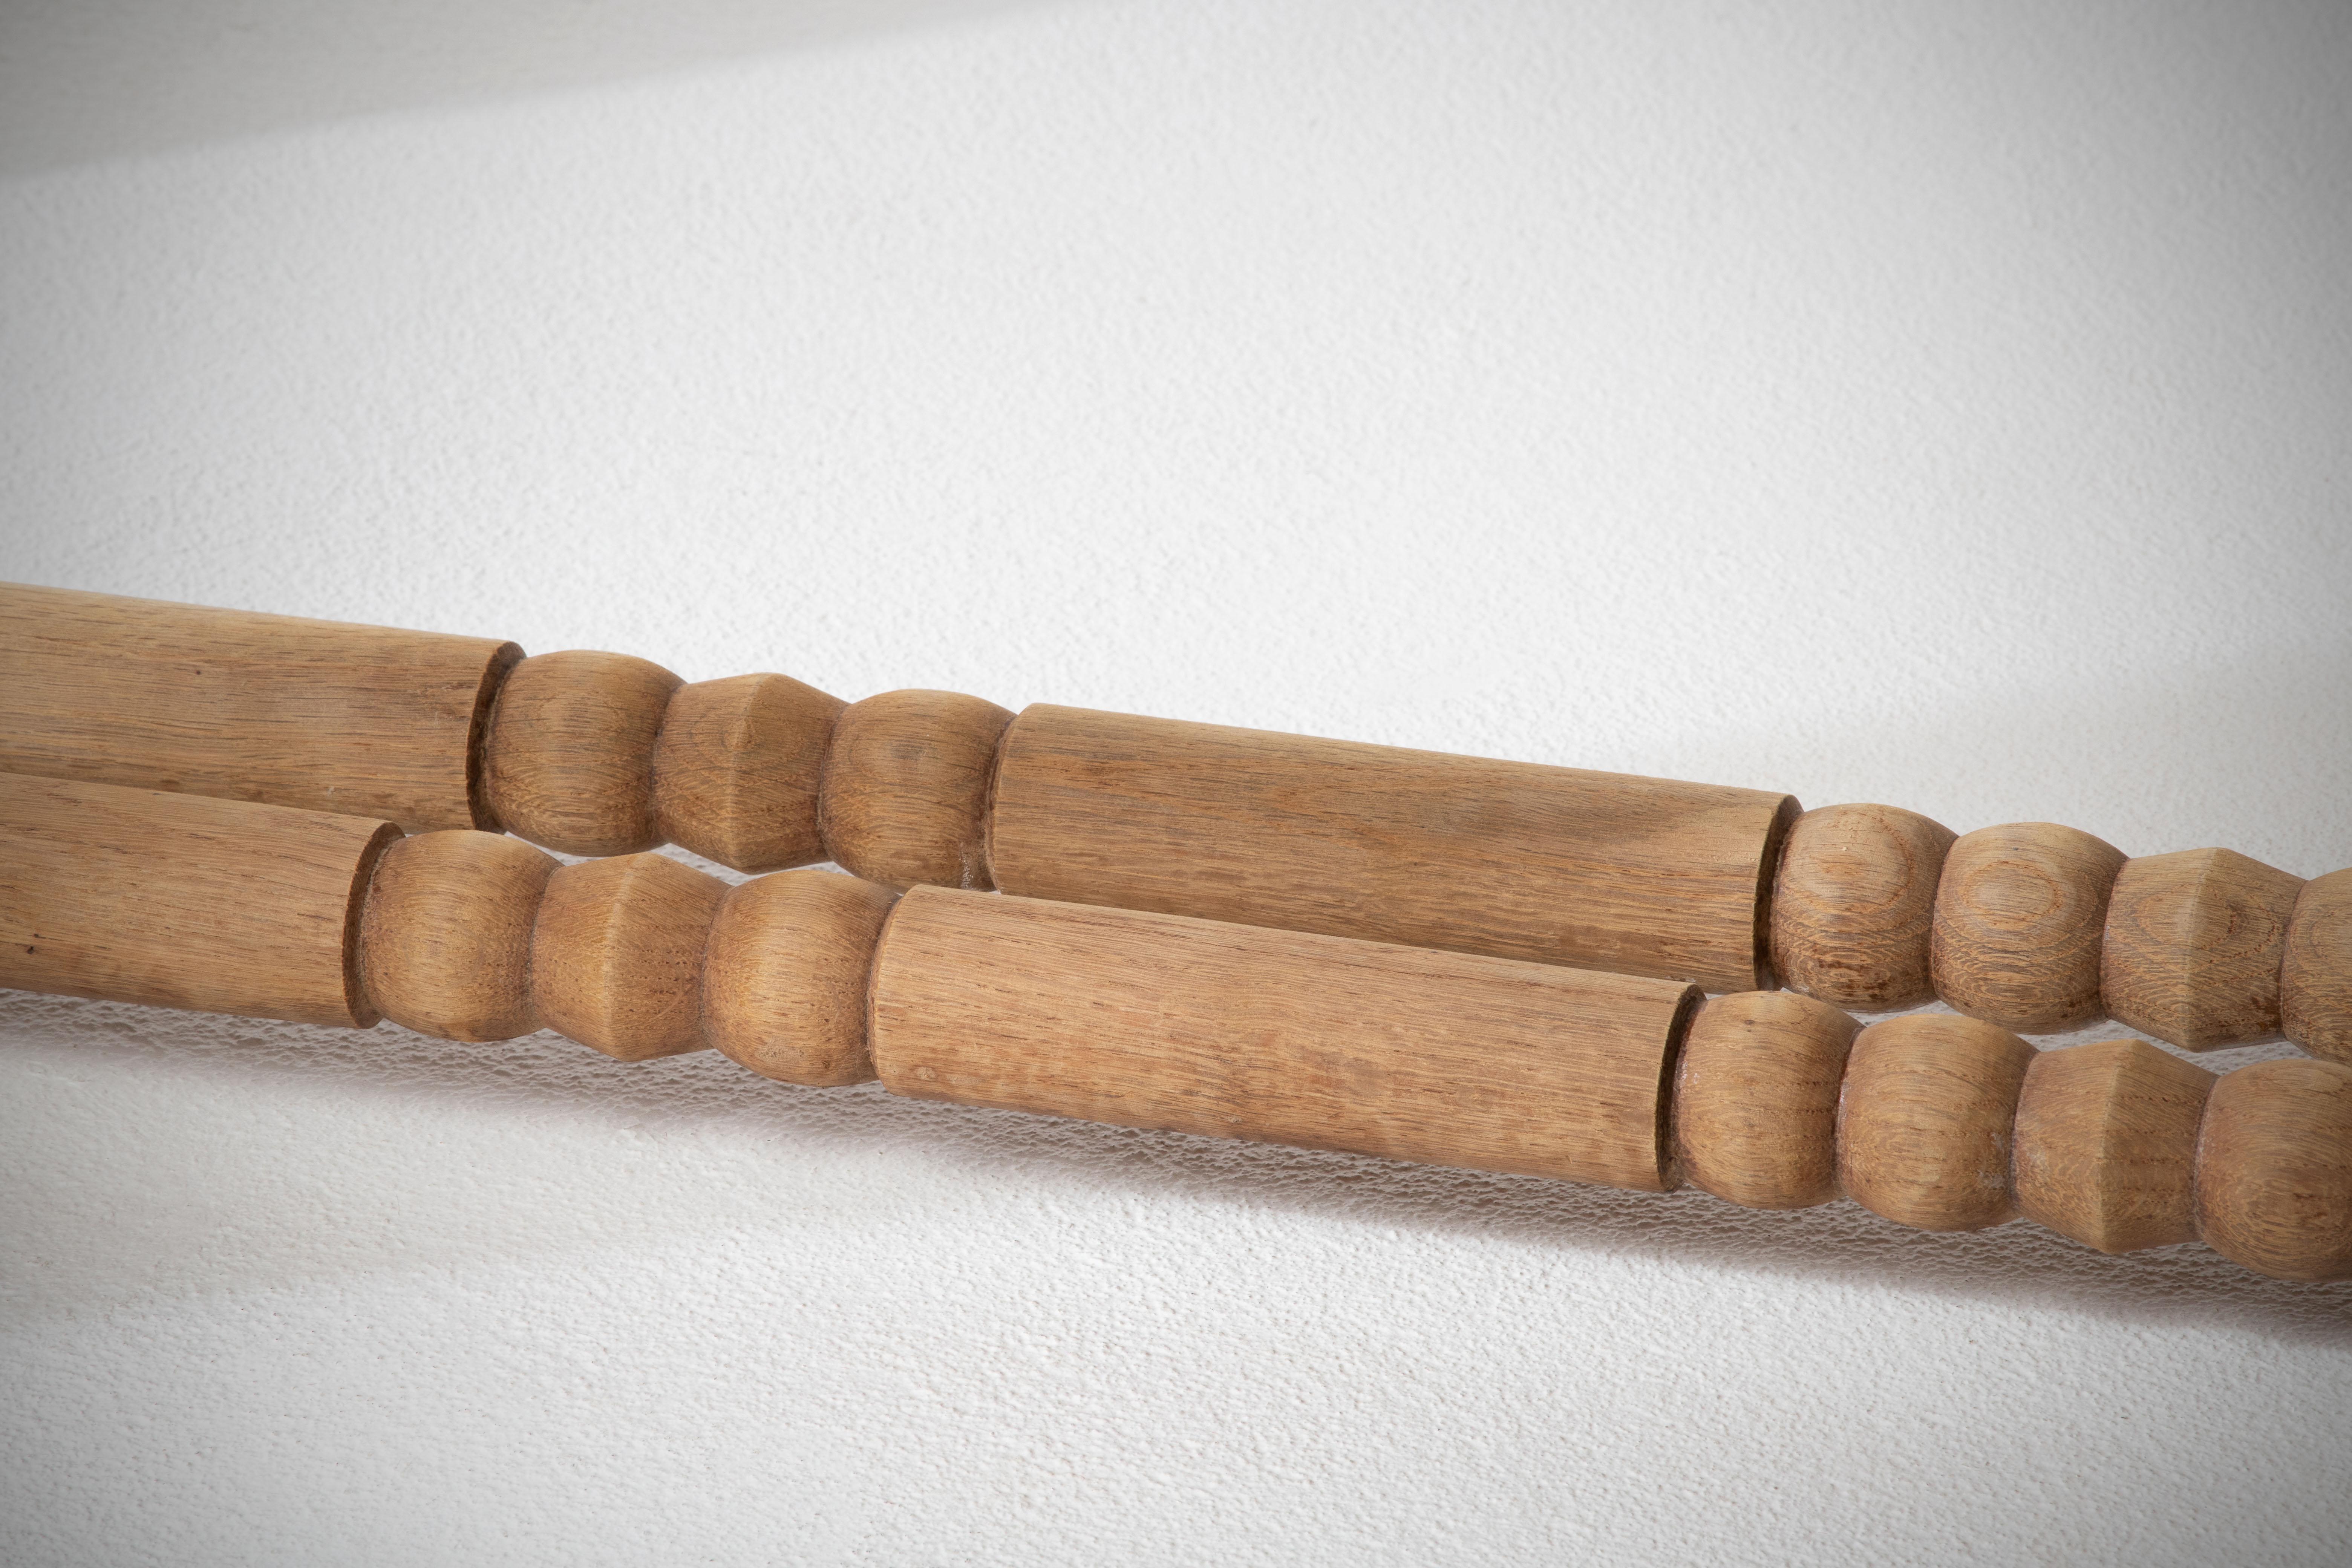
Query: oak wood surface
x=184, y=901
x=2105, y=1146
x=1853, y=904
x=1156, y=1020
x=569, y=757
x=2020, y=912
x=906, y=791
x=736, y=770
x=783, y=982
x=1925, y=1119
x=1756, y=1099
x=2193, y=944
x=2315, y=974
x=365, y=721
x=1514, y=860
x=2274, y=1169
x=616, y=954
x=445, y=939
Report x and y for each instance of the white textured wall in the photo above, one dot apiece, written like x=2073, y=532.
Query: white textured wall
x=1946, y=405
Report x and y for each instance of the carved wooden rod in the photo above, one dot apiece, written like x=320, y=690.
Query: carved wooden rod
x=1766, y=1099
x=2031, y=926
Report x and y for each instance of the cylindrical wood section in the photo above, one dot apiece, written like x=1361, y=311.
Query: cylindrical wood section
x=177, y=900
x=1552, y=865
x=1155, y=1020
x=363, y=720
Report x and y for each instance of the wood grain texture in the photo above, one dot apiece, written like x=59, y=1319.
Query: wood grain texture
x=2193, y=945
x=2107, y=1144
x=181, y=900
x=783, y=982
x=616, y=954
x=2274, y=1169
x=1853, y=905
x=1925, y=1120
x=1756, y=1099
x=736, y=770
x=1155, y=1020
x=1512, y=859
x=569, y=762
x=2315, y=974
x=906, y=793
x=445, y=939
x=2020, y=912
x=365, y=721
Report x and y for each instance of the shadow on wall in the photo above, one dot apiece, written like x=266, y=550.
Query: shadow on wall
x=741, y=1119
x=104, y=79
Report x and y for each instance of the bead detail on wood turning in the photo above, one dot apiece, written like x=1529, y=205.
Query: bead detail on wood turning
x=784, y=987
x=2107, y=1142
x=616, y=955
x=1855, y=903
x=906, y=793
x=2315, y=977
x=2274, y=1169
x=2019, y=915
x=1756, y=1099
x=1926, y=1118
x=445, y=944
x=736, y=771
x=2193, y=945
x=570, y=758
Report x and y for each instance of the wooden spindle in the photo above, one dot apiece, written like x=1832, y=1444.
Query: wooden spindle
x=1156, y=1020
x=2031, y=926
x=363, y=720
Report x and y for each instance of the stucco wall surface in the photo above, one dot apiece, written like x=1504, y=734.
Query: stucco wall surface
x=1942, y=405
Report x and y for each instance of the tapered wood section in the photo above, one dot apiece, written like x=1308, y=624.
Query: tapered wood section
x=783, y=984
x=175, y=901
x=906, y=789
x=1756, y=1099
x=362, y=721
x=1853, y=903
x=2315, y=977
x=1153, y=1020
x=616, y=954
x=2274, y=1169
x=2020, y=912
x=736, y=770
x=1925, y=1121
x=2107, y=1144
x=2193, y=945
x=444, y=942
x=569, y=761
x=1552, y=865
